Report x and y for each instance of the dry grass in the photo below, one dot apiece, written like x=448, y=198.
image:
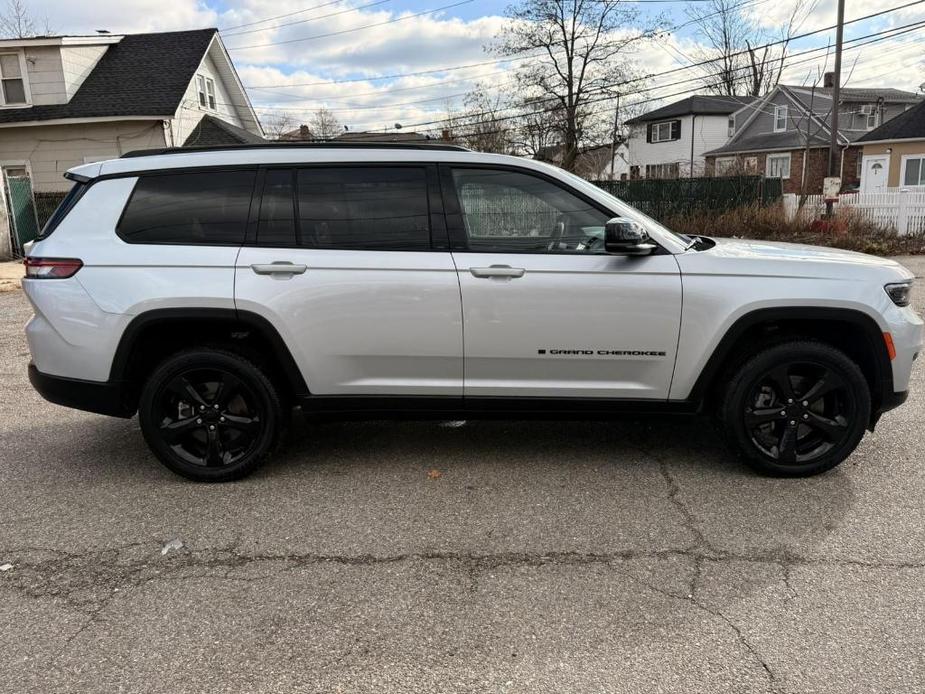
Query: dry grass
x=849, y=231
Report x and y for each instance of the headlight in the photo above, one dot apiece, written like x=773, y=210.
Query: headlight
x=899, y=292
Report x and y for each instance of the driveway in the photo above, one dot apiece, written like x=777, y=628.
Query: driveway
x=484, y=557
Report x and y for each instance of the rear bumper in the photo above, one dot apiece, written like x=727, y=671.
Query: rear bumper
x=92, y=396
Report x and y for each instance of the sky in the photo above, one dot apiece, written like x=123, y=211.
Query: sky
x=353, y=56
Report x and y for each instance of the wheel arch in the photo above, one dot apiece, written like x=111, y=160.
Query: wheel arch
x=154, y=334
x=851, y=330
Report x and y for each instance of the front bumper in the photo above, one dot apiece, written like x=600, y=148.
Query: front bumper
x=91, y=396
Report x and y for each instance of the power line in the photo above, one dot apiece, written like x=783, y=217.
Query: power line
x=874, y=38
x=310, y=19
x=913, y=26
x=282, y=16
x=350, y=31
x=453, y=68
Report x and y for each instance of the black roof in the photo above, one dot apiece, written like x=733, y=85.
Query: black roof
x=211, y=131
x=698, y=105
x=907, y=125
x=142, y=75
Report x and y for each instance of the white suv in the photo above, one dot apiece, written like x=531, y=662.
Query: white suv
x=214, y=290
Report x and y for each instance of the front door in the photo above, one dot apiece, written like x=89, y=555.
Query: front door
x=547, y=312
x=874, y=173
x=351, y=264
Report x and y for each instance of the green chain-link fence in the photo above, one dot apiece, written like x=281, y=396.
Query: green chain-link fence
x=663, y=198
x=46, y=204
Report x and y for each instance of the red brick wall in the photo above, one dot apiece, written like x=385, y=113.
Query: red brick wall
x=816, y=169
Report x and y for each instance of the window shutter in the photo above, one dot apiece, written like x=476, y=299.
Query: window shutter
x=676, y=130
x=648, y=132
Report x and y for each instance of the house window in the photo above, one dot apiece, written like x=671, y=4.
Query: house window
x=662, y=170
x=871, y=115
x=11, y=78
x=778, y=166
x=780, y=119
x=731, y=126
x=206, y=89
x=724, y=165
x=665, y=131
x=914, y=171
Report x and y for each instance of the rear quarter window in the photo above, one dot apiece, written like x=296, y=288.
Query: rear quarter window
x=64, y=207
x=200, y=208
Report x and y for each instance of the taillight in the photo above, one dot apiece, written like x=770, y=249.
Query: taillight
x=51, y=268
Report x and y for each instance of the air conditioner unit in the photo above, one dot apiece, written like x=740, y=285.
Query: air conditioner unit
x=868, y=109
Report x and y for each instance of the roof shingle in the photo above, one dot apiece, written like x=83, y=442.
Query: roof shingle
x=142, y=75
x=906, y=126
x=699, y=105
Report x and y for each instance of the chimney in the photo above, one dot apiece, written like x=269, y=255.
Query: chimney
x=828, y=80
x=445, y=135
x=304, y=133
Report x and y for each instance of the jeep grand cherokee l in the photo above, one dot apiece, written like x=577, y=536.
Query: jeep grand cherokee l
x=213, y=291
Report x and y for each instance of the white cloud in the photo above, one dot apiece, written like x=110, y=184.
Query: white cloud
x=428, y=42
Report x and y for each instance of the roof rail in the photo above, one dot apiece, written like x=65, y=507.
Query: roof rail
x=296, y=145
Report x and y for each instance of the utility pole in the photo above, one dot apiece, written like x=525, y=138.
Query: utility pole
x=836, y=94
x=613, y=142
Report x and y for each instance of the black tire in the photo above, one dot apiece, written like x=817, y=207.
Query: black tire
x=796, y=409
x=210, y=415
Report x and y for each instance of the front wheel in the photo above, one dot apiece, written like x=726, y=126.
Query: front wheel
x=210, y=415
x=796, y=409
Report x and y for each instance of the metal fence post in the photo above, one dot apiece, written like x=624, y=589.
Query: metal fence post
x=6, y=239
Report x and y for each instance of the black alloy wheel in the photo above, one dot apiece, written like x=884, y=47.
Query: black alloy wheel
x=796, y=409
x=210, y=415
x=798, y=412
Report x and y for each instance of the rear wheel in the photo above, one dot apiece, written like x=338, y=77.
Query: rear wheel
x=796, y=409
x=210, y=415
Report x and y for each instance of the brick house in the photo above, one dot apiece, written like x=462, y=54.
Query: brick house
x=786, y=134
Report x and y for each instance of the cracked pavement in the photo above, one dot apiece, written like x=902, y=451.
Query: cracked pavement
x=546, y=557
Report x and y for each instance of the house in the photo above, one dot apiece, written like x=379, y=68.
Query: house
x=787, y=134
x=893, y=154
x=601, y=162
x=70, y=100
x=670, y=141
x=374, y=137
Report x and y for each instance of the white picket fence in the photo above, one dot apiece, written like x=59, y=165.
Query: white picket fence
x=900, y=208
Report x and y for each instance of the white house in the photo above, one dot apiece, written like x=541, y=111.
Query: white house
x=69, y=100
x=670, y=142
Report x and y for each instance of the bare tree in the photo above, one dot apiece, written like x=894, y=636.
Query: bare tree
x=278, y=124
x=480, y=126
x=324, y=125
x=583, y=48
x=16, y=22
x=539, y=129
x=736, y=43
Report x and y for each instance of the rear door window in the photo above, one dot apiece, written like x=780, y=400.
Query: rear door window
x=364, y=208
x=208, y=208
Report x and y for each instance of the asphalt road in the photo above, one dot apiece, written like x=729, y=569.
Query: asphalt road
x=489, y=557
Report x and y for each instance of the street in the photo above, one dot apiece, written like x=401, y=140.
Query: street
x=477, y=557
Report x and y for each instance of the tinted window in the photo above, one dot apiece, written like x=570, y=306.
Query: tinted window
x=189, y=208
x=276, y=224
x=64, y=207
x=511, y=211
x=377, y=208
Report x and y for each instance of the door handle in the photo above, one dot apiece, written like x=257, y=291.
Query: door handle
x=280, y=267
x=497, y=271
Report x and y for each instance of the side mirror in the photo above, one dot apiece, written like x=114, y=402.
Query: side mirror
x=626, y=237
